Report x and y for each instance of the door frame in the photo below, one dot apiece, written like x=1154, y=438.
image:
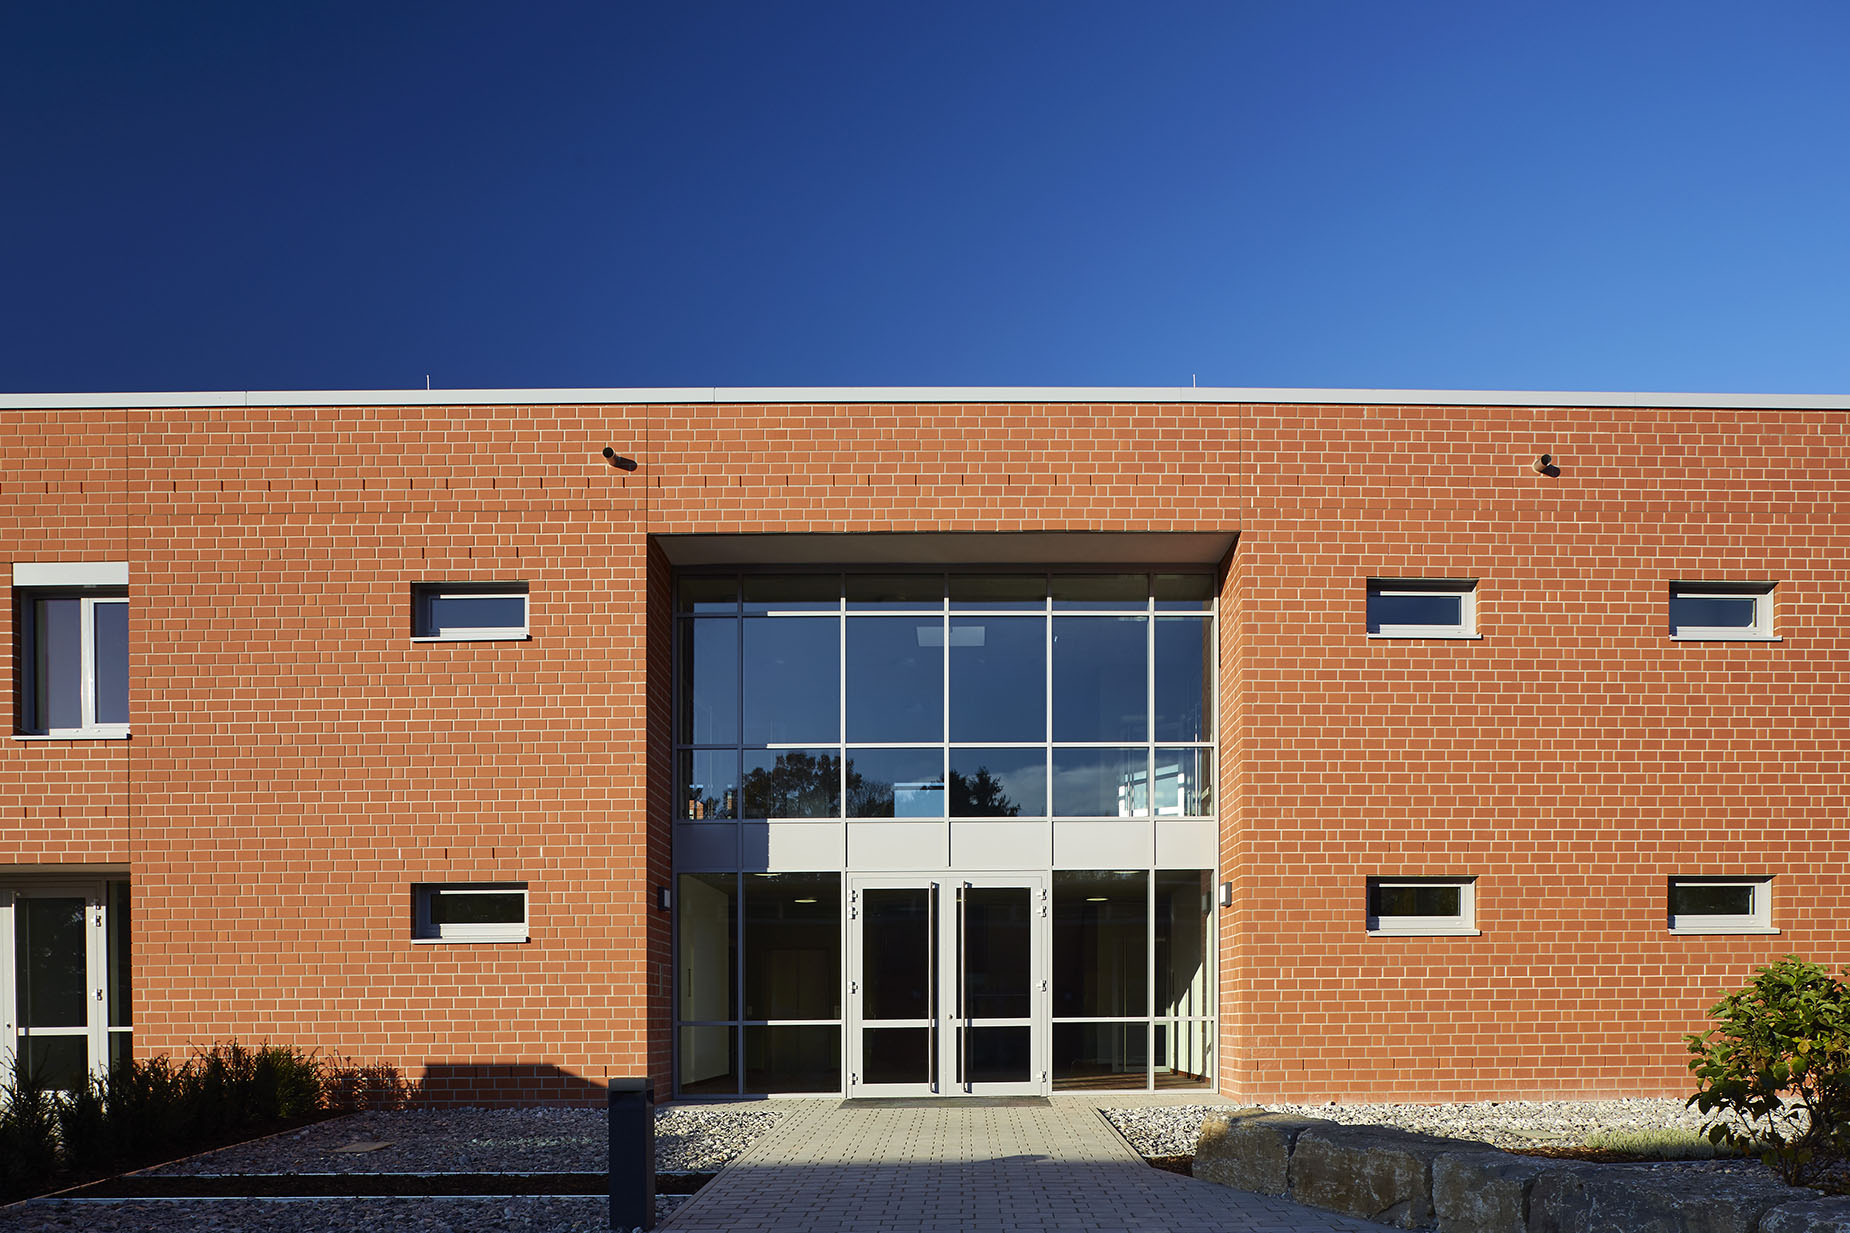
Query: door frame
x=95, y=1030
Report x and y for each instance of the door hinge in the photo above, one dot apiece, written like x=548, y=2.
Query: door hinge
x=1043, y=986
x=854, y=986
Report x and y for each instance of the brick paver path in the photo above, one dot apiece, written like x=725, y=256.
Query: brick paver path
x=898, y=1169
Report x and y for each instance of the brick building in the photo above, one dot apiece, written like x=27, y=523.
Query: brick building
x=1303, y=744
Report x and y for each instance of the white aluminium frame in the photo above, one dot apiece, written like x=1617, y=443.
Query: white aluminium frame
x=1761, y=630
x=1464, y=588
x=1464, y=924
x=1758, y=919
x=88, y=728
x=424, y=629
x=95, y=1030
x=428, y=930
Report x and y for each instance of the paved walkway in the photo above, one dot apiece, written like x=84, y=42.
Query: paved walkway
x=898, y=1169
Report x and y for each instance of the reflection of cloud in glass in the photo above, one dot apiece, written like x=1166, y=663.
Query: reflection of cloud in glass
x=1100, y=783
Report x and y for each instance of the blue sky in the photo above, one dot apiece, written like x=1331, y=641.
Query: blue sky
x=1500, y=195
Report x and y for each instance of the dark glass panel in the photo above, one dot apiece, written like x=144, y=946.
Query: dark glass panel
x=792, y=946
x=1101, y=938
x=791, y=783
x=897, y=1055
x=1415, y=900
x=895, y=679
x=998, y=952
x=709, y=682
x=1184, y=688
x=707, y=595
x=998, y=783
x=871, y=591
x=793, y=1058
x=1712, y=613
x=111, y=621
x=1101, y=1055
x=1183, y=592
x=708, y=1061
x=1440, y=608
x=898, y=968
x=896, y=783
x=58, y=666
x=121, y=1049
x=1100, y=783
x=793, y=593
x=707, y=948
x=1094, y=591
x=120, y=1005
x=471, y=612
x=1702, y=899
x=998, y=679
x=792, y=680
x=999, y=592
x=58, y=1062
x=997, y=1054
x=709, y=784
x=1100, y=679
x=1184, y=942
x=1184, y=782
x=1184, y=1054
x=51, y=961
x=455, y=907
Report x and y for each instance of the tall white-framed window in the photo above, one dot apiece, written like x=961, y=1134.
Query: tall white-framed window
x=469, y=611
x=73, y=656
x=470, y=912
x=1421, y=906
x=1721, y=905
x=1710, y=611
x=1422, y=608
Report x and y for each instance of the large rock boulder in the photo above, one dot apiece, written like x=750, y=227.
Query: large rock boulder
x=1813, y=1216
x=1483, y=1191
x=1651, y=1199
x=1250, y=1149
x=1368, y=1171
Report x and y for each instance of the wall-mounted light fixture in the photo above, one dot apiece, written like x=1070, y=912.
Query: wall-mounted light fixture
x=619, y=461
x=1226, y=894
x=664, y=898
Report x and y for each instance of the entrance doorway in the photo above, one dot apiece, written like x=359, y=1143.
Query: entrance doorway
x=63, y=979
x=947, y=985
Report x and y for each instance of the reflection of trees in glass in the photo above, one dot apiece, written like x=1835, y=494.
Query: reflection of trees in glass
x=980, y=796
x=798, y=785
x=868, y=798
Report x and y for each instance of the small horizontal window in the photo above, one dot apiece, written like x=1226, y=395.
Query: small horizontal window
x=464, y=612
x=1407, y=608
x=1721, y=610
x=1422, y=905
x=1721, y=905
x=471, y=912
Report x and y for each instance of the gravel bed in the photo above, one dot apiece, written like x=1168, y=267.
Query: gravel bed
x=316, y=1216
x=1172, y=1130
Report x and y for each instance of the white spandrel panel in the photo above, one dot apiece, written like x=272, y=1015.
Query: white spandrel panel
x=790, y=847
x=1001, y=844
x=897, y=845
x=1127, y=843
x=1188, y=845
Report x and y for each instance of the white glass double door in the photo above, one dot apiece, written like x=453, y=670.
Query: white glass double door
x=947, y=985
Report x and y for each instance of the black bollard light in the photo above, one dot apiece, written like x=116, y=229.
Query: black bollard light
x=632, y=1154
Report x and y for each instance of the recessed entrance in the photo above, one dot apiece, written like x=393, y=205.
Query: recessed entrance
x=947, y=986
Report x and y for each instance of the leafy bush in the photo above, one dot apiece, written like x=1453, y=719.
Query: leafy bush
x=1775, y=1070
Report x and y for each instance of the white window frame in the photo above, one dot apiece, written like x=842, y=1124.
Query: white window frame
x=424, y=593
x=1758, y=920
x=1464, y=588
x=26, y=613
x=1462, y=925
x=427, y=930
x=1760, y=631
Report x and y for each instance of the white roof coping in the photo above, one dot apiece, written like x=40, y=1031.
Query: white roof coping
x=836, y=395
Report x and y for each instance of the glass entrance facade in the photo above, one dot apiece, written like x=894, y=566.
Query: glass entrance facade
x=854, y=749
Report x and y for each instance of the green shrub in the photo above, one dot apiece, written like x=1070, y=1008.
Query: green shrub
x=28, y=1135
x=1778, y=1064
x=1657, y=1144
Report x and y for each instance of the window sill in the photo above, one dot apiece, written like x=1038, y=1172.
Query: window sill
x=521, y=636
x=1726, y=638
x=1699, y=931
x=1425, y=933
x=70, y=736
x=1435, y=633
x=470, y=941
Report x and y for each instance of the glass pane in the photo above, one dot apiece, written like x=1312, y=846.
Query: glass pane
x=1184, y=942
x=896, y=783
x=1100, y=783
x=707, y=595
x=793, y=593
x=707, y=1067
x=1100, y=591
x=792, y=946
x=1404, y=900
x=456, y=907
x=1184, y=1054
x=111, y=624
x=1701, y=899
x=709, y=784
x=1441, y=609
x=121, y=1049
x=997, y=1054
x=1712, y=613
x=61, y=1062
x=999, y=679
x=792, y=680
x=1100, y=944
x=1184, y=783
x=119, y=966
x=1100, y=679
x=50, y=961
x=895, y=679
x=58, y=666
x=999, y=783
x=866, y=591
x=792, y=783
x=998, y=952
x=707, y=949
x=897, y=1055
x=709, y=682
x=793, y=1059
x=1101, y=1055
x=897, y=968
x=999, y=592
x=1184, y=592
x=450, y=612
x=1184, y=689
